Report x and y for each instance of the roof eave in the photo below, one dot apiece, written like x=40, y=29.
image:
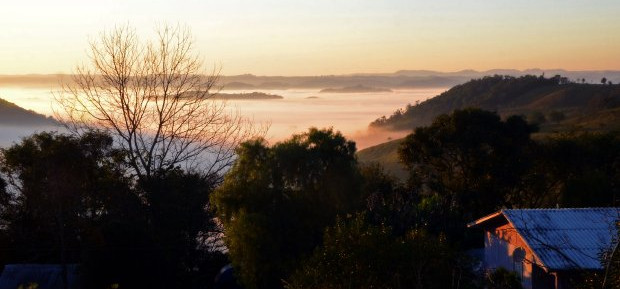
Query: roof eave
x=484, y=219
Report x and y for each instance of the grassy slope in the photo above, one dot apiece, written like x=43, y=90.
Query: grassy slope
x=507, y=96
x=387, y=155
x=586, y=107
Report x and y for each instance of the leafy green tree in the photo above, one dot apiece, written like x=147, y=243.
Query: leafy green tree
x=59, y=185
x=276, y=201
x=580, y=170
x=70, y=200
x=356, y=254
x=470, y=159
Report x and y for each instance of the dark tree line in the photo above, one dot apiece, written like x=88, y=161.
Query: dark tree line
x=301, y=213
x=464, y=165
x=70, y=200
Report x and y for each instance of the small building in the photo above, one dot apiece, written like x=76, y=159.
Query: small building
x=547, y=247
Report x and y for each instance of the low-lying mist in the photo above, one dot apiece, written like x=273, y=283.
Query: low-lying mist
x=299, y=109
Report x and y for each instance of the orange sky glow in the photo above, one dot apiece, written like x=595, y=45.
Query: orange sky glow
x=270, y=37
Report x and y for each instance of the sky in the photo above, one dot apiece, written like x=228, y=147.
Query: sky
x=322, y=37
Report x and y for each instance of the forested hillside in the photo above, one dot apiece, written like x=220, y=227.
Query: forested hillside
x=554, y=103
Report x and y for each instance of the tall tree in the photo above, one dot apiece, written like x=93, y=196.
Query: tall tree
x=275, y=201
x=70, y=200
x=59, y=187
x=154, y=99
x=471, y=159
x=580, y=170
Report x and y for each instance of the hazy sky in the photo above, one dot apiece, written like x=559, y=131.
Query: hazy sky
x=310, y=37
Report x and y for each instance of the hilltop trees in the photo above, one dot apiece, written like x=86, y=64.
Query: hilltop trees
x=497, y=92
x=153, y=98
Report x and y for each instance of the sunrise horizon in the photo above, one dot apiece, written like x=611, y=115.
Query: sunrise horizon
x=297, y=38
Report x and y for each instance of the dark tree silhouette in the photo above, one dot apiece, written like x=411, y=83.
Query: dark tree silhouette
x=276, y=201
x=154, y=99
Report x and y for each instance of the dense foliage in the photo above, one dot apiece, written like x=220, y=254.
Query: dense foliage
x=301, y=213
x=60, y=185
x=356, y=254
x=466, y=164
x=276, y=201
x=70, y=200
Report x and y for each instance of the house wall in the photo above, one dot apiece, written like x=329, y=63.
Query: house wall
x=504, y=248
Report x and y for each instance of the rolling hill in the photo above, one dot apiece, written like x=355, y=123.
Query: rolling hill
x=555, y=104
x=13, y=115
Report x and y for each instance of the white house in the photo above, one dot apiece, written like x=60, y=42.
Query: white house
x=546, y=247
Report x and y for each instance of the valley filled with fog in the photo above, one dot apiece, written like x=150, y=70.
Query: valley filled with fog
x=295, y=112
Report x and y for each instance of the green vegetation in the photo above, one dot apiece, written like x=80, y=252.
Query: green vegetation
x=554, y=104
x=69, y=199
x=385, y=154
x=356, y=254
x=301, y=213
x=276, y=201
x=471, y=159
x=589, y=107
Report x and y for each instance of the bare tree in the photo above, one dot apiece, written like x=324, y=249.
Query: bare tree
x=154, y=98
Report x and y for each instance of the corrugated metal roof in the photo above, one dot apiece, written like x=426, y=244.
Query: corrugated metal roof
x=565, y=239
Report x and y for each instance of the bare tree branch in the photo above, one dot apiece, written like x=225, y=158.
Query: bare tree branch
x=155, y=99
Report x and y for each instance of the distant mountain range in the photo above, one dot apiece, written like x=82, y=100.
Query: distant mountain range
x=403, y=79
x=236, y=96
x=355, y=89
